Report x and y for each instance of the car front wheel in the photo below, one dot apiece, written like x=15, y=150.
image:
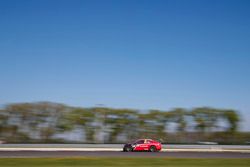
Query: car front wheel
x=152, y=149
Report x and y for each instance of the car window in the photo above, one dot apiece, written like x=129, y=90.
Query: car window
x=140, y=142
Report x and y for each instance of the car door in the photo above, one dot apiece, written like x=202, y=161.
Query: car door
x=139, y=145
x=145, y=145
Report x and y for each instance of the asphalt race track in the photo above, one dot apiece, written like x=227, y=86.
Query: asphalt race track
x=30, y=154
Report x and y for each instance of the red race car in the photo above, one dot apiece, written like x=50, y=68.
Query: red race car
x=143, y=145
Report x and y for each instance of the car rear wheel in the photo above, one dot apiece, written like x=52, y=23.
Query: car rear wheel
x=127, y=149
x=152, y=149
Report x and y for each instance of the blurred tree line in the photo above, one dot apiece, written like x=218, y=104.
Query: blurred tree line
x=46, y=122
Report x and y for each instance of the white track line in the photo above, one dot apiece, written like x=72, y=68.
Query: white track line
x=119, y=149
x=60, y=149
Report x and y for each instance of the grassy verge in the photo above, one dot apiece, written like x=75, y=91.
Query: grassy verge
x=122, y=162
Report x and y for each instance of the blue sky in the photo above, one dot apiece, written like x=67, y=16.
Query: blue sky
x=136, y=54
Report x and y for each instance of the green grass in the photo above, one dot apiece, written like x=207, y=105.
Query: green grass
x=121, y=162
